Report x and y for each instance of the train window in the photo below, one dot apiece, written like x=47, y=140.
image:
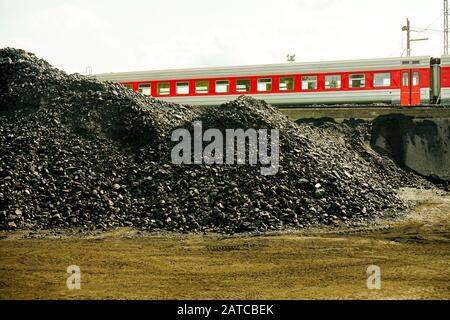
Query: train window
x=332, y=81
x=357, y=81
x=309, y=82
x=405, y=79
x=415, y=78
x=382, y=79
x=163, y=88
x=128, y=85
x=243, y=85
x=286, y=84
x=265, y=84
x=145, y=88
x=202, y=86
x=222, y=86
x=182, y=87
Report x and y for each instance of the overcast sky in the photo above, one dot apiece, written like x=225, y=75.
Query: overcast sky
x=127, y=35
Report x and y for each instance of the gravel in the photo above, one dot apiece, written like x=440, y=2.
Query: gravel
x=79, y=153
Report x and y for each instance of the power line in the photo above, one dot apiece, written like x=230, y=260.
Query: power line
x=440, y=16
x=425, y=30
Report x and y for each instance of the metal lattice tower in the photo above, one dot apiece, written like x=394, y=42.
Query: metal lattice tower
x=446, y=27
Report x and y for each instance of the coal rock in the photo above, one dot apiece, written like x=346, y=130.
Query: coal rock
x=80, y=153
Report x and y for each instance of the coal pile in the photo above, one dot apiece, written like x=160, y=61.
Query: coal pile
x=79, y=153
x=357, y=134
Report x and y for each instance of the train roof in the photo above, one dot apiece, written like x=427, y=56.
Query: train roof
x=270, y=69
x=445, y=61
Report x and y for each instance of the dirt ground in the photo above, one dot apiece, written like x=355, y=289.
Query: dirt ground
x=413, y=254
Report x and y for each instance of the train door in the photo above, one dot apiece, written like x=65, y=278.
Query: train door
x=410, y=88
x=415, y=87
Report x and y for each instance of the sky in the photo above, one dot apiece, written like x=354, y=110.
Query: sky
x=131, y=35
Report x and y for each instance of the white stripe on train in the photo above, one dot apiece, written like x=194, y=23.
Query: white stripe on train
x=390, y=96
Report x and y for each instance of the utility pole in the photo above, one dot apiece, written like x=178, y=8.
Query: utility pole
x=446, y=27
x=407, y=28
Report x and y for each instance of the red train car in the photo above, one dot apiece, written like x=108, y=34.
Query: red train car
x=405, y=81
